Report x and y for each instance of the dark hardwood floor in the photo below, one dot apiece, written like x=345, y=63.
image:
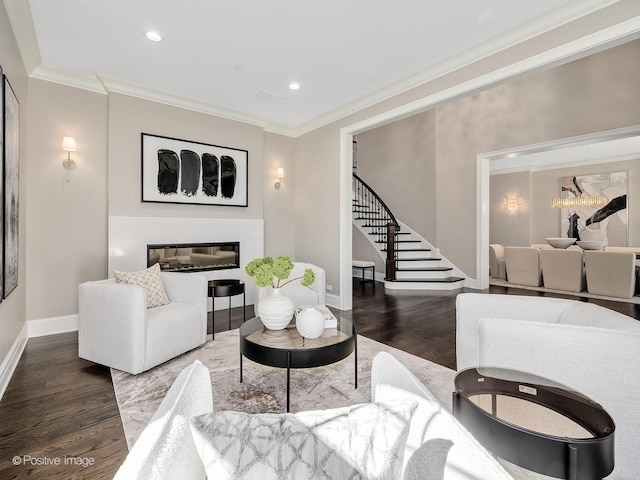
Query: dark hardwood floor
x=61, y=408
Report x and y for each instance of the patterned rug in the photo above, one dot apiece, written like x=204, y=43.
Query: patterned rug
x=264, y=388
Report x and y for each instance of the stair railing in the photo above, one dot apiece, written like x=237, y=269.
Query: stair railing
x=377, y=216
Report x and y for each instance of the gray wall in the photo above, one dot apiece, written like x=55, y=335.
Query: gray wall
x=398, y=161
x=66, y=224
x=510, y=227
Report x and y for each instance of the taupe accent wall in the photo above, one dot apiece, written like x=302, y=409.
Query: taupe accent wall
x=130, y=116
x=67, y=221
x=398, y=161
x=511, y=227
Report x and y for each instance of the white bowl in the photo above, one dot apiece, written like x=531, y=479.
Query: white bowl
x=591, y=245
x=560, y=242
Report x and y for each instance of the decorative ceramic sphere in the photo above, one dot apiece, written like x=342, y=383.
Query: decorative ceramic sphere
x=275, y=310
x=310, y=322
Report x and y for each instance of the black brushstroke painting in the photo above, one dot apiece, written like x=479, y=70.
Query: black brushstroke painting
x=573, y=231
x=615, y=205
x=189, y=172
x=228, y=174
x=210, y=175
x=195, y=173
x=168, y=166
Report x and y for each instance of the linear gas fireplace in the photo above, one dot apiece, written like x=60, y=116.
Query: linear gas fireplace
x=194, y=257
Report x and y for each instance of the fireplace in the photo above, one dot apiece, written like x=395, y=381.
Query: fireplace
x=194, y=257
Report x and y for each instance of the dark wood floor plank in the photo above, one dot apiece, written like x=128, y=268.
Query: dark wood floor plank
x=59, y=405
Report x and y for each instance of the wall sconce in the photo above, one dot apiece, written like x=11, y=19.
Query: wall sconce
x=69, y=145
x=279, y=175
x=512, y=204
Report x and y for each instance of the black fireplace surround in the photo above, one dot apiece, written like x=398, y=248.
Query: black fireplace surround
x=194, y=257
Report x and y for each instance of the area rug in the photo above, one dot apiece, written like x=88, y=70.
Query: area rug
x=264, y=388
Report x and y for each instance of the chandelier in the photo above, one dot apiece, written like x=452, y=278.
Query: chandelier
x=568, y=202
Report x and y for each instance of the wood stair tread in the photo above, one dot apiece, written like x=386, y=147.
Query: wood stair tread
x=425, y=269
x=399, y=241
x=418, y=259
x=409, y=250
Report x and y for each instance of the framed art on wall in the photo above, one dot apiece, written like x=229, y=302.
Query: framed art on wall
x=11, y=187
x=181, y=171
x=595, y=208
x=1, y=183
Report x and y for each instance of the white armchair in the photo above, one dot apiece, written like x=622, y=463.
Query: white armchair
x=589, y=348
x=314, y=294
x=117, y=330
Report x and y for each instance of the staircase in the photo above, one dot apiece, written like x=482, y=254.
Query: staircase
x=414, y=264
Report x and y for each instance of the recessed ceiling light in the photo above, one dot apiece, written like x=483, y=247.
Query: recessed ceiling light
x=153, y=36
x=294, y=86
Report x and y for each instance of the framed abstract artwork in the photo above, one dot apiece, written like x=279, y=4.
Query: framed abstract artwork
x=594, y=208
x=181, y=171
x=11, y=185
x=1, y=183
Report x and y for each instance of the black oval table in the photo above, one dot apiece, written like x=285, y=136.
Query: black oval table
x=288, y=349
x=535, y=423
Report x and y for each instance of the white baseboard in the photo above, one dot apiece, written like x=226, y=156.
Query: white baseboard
x=332, y=300
x=10, y=362
x=53, y=325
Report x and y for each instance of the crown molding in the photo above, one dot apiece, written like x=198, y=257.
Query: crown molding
x=115, y=85
x=21, y=20
x=85, y=82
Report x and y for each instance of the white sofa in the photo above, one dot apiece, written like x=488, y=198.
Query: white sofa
x=431, y=445
x=314, y=294
x=592, y=349
x=117, y=330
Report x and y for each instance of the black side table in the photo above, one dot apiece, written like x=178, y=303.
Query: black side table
x=226, y=288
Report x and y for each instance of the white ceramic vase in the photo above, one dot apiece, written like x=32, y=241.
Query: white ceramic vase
x=310, y=322
x=275, y=310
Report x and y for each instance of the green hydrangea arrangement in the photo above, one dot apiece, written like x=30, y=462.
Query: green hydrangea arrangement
x=270, y=272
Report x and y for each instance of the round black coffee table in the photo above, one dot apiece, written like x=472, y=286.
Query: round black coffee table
x=535, y=423
x=288, y=349
x=226, y=288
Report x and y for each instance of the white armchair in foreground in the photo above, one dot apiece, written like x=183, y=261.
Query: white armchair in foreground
x=117, y=330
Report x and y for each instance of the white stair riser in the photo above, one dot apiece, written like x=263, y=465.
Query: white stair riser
x=420, y=264
x=401, y=275
x=423, y=286
x=402, y=254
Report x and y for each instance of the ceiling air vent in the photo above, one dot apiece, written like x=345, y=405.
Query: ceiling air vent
x=273, y=97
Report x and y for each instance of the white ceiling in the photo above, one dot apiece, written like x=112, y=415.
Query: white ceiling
x=217, y=55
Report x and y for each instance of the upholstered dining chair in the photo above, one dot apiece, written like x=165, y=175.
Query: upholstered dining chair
x=496, y=261
x=116, y=329
x=523, y=265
